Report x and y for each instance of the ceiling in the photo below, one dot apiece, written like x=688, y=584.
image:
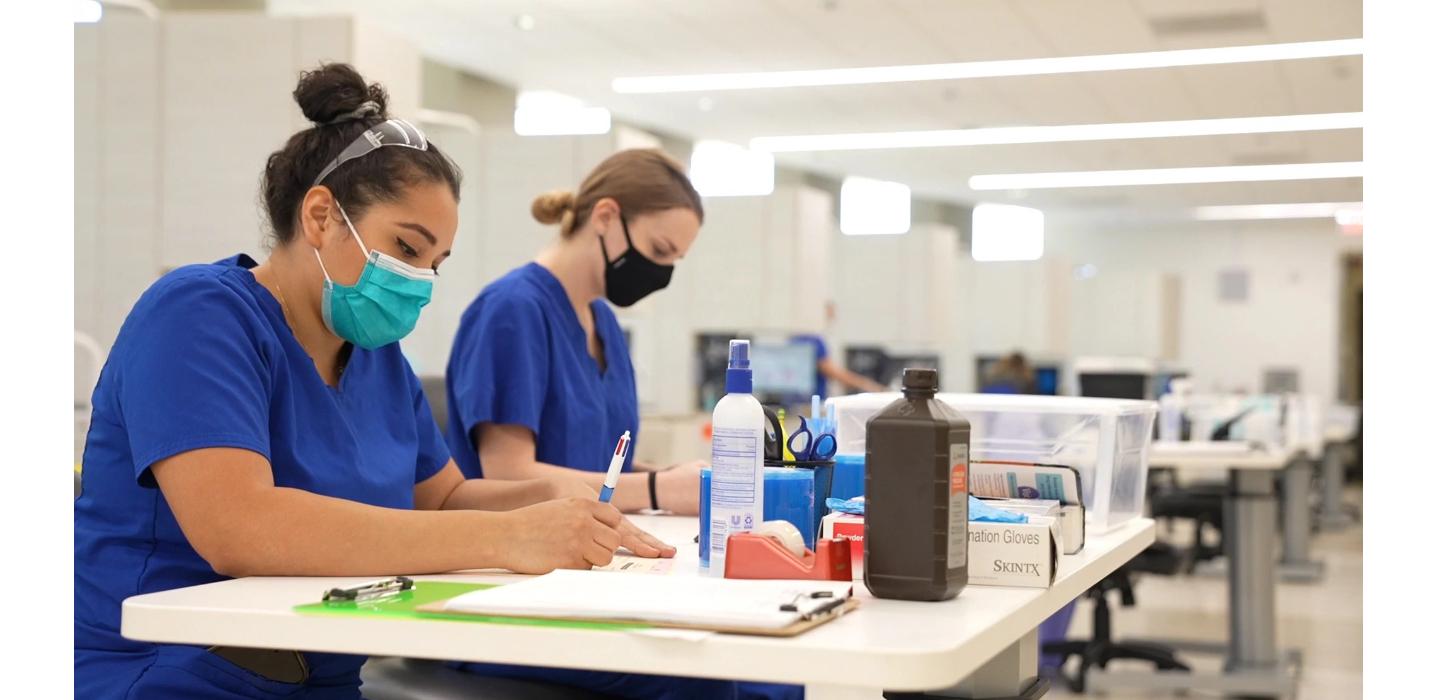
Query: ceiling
x=579, y=46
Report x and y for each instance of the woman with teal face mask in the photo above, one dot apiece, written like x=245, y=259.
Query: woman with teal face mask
x=259, y=419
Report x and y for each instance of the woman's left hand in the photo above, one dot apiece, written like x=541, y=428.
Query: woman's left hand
x=559, y=487
x=678, y=488
x=642, y=543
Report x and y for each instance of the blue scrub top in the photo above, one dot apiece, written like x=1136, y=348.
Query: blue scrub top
x=821, y=352
x=521, y=358
x=206, y=359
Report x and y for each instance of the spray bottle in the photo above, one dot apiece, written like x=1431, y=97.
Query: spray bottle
x=737, y=458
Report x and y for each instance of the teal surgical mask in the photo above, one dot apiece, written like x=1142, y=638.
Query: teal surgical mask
x=383, y=305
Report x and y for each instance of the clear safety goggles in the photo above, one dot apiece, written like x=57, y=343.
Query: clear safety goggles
x=392, y=132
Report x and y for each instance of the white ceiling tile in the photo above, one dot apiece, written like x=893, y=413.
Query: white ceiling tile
x=1090, y=27
x=1325, y=85
x=975, y=30
x=1140, y=95
x=1313, y=20
x=579, y=46
x=1248, y=90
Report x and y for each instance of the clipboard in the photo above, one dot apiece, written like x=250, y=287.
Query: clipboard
x=730, y=606
x=794, y=629
x=405, y=605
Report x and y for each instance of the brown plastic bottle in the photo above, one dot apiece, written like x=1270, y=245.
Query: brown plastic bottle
x=917, y=496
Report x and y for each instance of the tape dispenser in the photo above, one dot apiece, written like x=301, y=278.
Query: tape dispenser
x=775, y=550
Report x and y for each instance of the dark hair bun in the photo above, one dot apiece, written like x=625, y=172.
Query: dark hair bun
x=334, y=89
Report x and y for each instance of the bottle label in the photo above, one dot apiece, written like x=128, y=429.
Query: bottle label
x=959, y=504
x=736, y=463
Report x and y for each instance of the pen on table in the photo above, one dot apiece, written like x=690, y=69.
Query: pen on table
x=617, y=461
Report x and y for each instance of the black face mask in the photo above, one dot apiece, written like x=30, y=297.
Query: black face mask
x=632, y=276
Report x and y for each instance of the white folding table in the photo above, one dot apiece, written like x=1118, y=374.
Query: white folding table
x=981, y=644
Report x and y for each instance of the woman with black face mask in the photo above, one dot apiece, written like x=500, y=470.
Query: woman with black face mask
x=539, y=382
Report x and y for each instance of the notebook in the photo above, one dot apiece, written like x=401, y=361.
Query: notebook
x=680, y=601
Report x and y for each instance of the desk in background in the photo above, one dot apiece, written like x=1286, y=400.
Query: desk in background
x=1338, y=436
x=1254, y=663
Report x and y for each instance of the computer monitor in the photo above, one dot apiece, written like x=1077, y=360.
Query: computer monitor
x=783, y=372
x=1115, y=385
x=868, y=361
x=1046, y=375
x=712, y=355
x=1047, y=380
x=1161, y=385
x=895, y=366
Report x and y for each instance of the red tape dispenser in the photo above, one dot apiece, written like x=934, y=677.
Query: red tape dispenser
x=775, y=550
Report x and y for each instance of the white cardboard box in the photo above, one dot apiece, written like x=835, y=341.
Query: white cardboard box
x=1000, y=554
x=1072, y=518
x=1014, y=554
x=849, y=527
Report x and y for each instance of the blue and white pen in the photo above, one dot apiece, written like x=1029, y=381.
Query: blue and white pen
x=617, y=461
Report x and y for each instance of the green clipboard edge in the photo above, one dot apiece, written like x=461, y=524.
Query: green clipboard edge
x=403, y=606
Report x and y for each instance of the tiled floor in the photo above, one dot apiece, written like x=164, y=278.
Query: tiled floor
x=1323, y=619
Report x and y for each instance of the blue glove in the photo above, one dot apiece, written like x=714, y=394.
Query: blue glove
x=981, y=511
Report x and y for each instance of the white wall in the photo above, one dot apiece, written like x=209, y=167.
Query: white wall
x=906, y=294
x=174, y=120
x=1290, y=319
x=117, y=168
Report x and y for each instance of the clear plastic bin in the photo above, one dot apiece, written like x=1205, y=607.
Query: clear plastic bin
x=1106, y=440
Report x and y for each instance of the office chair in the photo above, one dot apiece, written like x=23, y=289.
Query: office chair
x=1100, y=379
x=1101, y=648
x=1202, y=503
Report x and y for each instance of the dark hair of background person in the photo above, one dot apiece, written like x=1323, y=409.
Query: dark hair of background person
x=325, y=95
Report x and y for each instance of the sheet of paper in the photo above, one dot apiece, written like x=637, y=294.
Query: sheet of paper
x=631, y=564
x=684, y=600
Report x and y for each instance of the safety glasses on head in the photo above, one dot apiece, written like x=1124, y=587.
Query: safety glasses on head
x=392, y=132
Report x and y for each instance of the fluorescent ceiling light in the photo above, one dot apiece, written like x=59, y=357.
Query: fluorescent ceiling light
x=543, y=113
x=720, y=169
x=986, y=69
x=1302, y=210
x=1054, y=134
x=1002, y=232
x=1350, y=215
x=628, y=137
x=1166, y=176
x=87, y=11
x=456, y=120
x=873, y=207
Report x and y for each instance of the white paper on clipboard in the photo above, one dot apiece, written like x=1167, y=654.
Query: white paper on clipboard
x=1016, y=480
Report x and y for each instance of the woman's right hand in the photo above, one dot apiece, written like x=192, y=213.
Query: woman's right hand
x=572, y=533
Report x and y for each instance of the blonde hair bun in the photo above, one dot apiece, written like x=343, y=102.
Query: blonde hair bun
x=551, y=207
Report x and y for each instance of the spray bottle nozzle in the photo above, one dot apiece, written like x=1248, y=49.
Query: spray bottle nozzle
x=739, y=354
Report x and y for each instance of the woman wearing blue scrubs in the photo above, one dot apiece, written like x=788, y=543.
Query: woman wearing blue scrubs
x=261, y=420
x=540, y=382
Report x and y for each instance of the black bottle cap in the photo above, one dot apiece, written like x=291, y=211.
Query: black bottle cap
x=918, y=379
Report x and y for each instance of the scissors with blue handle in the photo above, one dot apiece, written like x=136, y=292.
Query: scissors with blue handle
x=808, y=447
